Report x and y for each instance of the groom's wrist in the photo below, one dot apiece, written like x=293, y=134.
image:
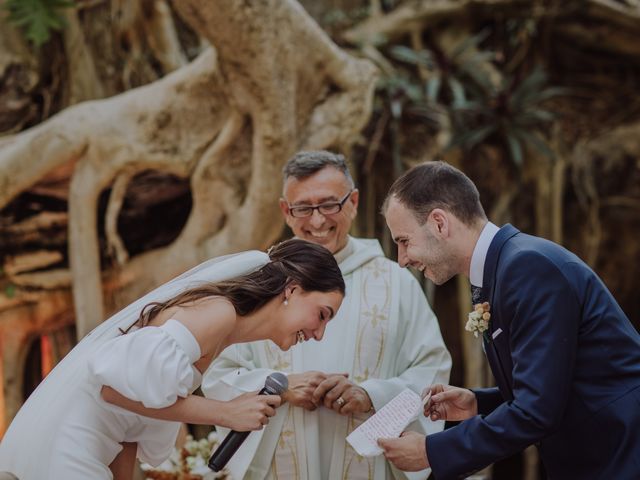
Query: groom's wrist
x=474, y=405
x=426, y=454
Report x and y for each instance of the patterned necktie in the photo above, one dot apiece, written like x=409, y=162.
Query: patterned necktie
x=476, y=294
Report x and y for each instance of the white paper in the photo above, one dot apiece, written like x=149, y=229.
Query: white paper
x=389, y=422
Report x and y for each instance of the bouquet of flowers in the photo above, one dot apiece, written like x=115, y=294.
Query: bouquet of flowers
x=188, y=462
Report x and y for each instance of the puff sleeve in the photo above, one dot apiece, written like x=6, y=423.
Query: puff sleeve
x=153, y=365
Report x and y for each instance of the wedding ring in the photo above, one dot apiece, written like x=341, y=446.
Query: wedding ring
x=340, y=401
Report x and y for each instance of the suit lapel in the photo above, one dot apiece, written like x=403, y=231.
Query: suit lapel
x=498, y=353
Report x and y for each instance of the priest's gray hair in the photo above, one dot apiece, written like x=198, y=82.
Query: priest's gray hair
x=306, y=163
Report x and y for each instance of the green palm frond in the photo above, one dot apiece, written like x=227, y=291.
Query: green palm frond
x=471, y=138
x=533, y=117
x=515, y=149
x=432, y=88
x=411, y=56
x=473, y=41
x=533, y=139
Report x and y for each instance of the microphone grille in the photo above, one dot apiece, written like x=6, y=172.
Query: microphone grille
x=276, y=383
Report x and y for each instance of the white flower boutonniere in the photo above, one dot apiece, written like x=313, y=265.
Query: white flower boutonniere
x=478, y=321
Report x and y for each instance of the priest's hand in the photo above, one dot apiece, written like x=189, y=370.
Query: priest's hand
x=450, y=403
x=338, y=393
x=407, y=453
x=301, y=388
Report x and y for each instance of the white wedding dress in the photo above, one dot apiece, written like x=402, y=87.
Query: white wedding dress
x=65, y=430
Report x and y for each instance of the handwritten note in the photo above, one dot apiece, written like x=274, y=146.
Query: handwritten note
x=390, y=421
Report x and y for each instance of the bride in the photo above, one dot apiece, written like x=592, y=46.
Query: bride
x=124, y=389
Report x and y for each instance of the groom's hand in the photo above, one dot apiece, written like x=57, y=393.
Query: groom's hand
x=301, y=388
x=450, y=403
x=407, y=453
x=338, y=393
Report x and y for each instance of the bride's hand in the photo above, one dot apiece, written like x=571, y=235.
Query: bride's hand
x=250, y=411
x=450, y=403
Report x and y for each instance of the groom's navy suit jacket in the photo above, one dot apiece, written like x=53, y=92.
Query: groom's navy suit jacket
x=566, y=360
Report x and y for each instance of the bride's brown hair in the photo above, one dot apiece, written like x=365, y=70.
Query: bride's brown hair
x=308, y=265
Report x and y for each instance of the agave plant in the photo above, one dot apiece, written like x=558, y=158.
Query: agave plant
x=512, y=114
x=451, y=78
x=483, y=104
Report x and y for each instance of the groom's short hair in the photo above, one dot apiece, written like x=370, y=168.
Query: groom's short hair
x=437, y=185
x=304, y=164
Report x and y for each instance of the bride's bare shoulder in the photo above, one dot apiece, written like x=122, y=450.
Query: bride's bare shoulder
x=208, y=319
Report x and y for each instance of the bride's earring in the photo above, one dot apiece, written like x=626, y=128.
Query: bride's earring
x=286, y=299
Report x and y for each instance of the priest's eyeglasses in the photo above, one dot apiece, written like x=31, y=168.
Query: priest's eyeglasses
x=301, y=211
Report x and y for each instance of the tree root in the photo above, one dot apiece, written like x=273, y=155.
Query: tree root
x=228, y=121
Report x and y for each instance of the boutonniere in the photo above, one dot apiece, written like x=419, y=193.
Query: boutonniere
x=478, y=321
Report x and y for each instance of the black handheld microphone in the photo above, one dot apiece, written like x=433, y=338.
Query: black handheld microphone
x=275, y=384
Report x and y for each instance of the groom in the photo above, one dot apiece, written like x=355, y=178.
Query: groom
x=565, y=357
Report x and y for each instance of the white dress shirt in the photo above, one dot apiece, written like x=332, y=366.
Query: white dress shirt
x=476, y=270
